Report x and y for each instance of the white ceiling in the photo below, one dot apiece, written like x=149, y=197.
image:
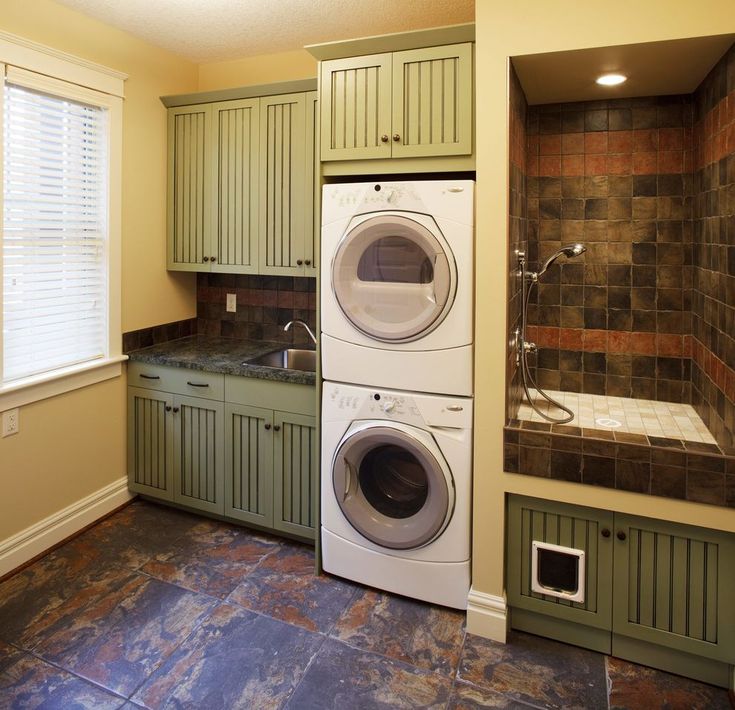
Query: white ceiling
x=215, y=30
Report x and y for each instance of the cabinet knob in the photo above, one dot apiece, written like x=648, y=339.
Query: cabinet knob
x=277, y=427
x=267, y=426
x=621, y=535
x=176, y=409
x=384, y=138
x=213, y=258
x=168, y=409
x=307, y=262
x=299, y=262
x=396, y=137
x=605, y=532
x=205, y=258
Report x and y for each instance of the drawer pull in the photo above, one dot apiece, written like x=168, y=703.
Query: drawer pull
x=197, y=384
x=151, y=377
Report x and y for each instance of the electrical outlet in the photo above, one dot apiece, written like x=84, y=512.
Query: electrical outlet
x=231, y=302
x=11, y=422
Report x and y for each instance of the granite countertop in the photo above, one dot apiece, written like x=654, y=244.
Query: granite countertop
x=225, y=355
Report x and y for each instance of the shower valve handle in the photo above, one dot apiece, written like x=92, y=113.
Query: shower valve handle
x=530, y=347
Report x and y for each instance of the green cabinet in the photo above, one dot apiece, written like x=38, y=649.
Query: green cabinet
x=241, y=186
x=656, y=592
x=411, y=104
x=244, y=448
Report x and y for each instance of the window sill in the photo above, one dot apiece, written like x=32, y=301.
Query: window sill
x=38, y=387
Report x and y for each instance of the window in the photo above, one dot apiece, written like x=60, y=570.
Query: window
x=59, y=245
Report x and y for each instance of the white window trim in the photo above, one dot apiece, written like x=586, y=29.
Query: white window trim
x=104, y=87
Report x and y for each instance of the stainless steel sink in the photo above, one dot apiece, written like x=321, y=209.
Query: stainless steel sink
x=290, y=358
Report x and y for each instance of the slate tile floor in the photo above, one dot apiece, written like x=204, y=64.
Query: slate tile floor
x=155, y=608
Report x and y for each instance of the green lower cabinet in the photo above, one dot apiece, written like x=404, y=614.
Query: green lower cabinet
x=294, y=473
x=249, y=464
x=199, y=453
x=656, y=592
x=150, y=443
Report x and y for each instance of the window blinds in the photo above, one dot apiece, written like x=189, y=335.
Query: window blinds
x=55, y=232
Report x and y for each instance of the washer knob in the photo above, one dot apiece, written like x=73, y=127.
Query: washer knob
x=389, y=406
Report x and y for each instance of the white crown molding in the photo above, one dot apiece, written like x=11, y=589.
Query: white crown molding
x=36, y=539
x=27, y=54
x=487, y=615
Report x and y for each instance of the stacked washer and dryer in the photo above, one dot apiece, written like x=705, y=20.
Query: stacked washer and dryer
x=396, y=343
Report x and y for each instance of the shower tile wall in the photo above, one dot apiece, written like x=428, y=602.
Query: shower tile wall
x=713, y=300
x=615, y=175
x=518, y=229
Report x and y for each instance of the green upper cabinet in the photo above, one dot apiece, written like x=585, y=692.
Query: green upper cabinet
x=411, y=104
x=242, y=186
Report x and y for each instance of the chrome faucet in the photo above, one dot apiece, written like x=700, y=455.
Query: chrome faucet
x=297, y=321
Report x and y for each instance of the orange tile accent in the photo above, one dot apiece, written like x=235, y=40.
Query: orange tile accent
x=687, y=346
x=549, y=165
x=571, y=338
x=669, y=345
x=618, y=341
x=645, y=140
x=572, y=143
x=643, y=343
x=595, y=165
x=532, y=144
x=671, y=139
x=595, y=142
x=548, y=337
x=532, y=166
x=619, y=164
x=670, y=161
x=572, y=165
x=595, y=341
x=620, y=142
x=550, y=145
x=645, y=163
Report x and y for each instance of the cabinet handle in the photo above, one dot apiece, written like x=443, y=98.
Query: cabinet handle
x=168, y=409
x=384, y=138
x=205, y=258
x=197, y=384
x=621, y=535
x=151, y=377
x=396, y=137
x=308, y=262
x=277, y=427
x=605, y=532
x=176, y=409
x=267, y=426
x=299, y=262
x=213, y=259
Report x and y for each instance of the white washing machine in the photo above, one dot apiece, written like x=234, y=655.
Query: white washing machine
x=397, y=284
x=396, y=491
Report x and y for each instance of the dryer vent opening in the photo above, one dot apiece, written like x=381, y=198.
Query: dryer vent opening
x=557, y=571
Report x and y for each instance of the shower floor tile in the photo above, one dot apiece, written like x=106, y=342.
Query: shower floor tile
x=667, y=420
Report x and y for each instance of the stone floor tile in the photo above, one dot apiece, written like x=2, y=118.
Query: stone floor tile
x=536, y=671
x=470, y=697
x=235, y=659
x=634, y=687
x=120, y=640
x=8, y=655
x=212, y=558
x=285, y=587
x=343, y=677
x=30, y=683
x=414, y=632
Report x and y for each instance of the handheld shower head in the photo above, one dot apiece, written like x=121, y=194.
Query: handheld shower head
x=569, y=251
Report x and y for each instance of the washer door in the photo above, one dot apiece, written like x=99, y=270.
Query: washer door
x=394, y=278
x=392, y=488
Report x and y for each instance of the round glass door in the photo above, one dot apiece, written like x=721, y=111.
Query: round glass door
x=391, y=488
x=393, y=278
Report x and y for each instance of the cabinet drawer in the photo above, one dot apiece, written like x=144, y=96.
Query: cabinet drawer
x=178, y=380
x=288, y=397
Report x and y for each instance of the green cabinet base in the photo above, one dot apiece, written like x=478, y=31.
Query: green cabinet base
x=560, y=630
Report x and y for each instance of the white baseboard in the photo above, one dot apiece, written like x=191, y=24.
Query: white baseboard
x=27, y=544
x=487, y=615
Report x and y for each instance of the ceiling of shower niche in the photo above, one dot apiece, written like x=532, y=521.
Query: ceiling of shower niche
x=652, y=68
x=217, y=30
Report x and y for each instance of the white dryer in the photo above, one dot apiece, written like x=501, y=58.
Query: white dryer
x=396, y=491
x=397, y=284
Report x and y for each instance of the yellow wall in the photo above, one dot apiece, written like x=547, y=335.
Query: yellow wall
x=264, y=69
x=72, y=445
x=529, y=27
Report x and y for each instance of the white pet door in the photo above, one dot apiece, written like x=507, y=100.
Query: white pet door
x=557, y=571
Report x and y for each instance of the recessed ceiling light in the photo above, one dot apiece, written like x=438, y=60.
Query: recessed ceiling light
x=611, y=79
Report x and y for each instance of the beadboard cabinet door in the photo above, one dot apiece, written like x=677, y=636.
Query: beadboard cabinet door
x=312, y=200
x=294, y=471
x=150, y=443
x=356, y=108
x=432, y=102
x=249, y=464
x=235, y=145
x=199, y=453
x=189, y=201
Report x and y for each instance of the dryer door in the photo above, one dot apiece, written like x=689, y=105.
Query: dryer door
x=393, y=277
x=392, y=484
